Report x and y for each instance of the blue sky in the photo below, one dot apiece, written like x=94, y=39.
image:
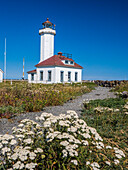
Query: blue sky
x=95, y=32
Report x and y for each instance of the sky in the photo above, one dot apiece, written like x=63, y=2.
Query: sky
x=95, y=32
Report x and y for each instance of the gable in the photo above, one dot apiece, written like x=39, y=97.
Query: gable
x=57, y=60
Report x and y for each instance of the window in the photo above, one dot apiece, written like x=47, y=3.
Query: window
x=41, y=75
x=61, y=76
x=71, y=62
x=32, y=76
x=49, y=75
x=76, y=76
x=66, y=61
x=69, y=76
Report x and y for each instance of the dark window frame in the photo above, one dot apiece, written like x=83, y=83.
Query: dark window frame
x=41, y=75
x=76, y=76
x=66, y=61
x=32, y=76
x=49, y=75
x=69, y=76
x=61, y=75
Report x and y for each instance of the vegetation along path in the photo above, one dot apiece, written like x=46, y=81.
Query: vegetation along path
x=76, y=105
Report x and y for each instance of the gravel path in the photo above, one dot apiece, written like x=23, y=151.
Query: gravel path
x=76, y=105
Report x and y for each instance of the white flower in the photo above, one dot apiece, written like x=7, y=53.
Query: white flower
x=32, y=155
x=65, y=153
x=86, y=135
x=87, y=163
x=14, y=156
x=4, y=142
x=7, y=137
x=116, y=110
x=74, y=162
x=29, y=133
x=73, y=152
x=27, y=147
x=118, y=151
x=72, y=113
x=72, y=129
x=116, y=161
x=95, y=164
x=93, y=130
x=13, y=142
x=20, y=136
x=5, y=149
x=17, y=165
x=98, y=137
x=1, y=145
x=28, y=141
x=47, y=124
x=21, y=166
x=30, y=165
x=21, y=125
x=85, y=142
x=100, y=145
x=64, y=143
x=23, y=157
x=118, y=156
x=38, y=150
x=108, y=147
x=108, y=163
x=63, y=123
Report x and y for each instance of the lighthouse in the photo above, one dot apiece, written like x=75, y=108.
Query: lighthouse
x=47, y=40
x=53, y=68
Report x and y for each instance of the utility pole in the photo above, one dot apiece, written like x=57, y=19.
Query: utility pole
x=5, y=62
x=23, y=69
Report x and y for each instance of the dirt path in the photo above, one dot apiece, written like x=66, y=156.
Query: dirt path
x=76, y=105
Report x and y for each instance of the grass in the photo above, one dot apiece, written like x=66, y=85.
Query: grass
x=66, y=141
x=63, y=142
x=111, y=125
x=122, y=87
x=23, y=97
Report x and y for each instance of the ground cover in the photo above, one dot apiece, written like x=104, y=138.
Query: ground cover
x=110, y=118
x=23, y=97
x=122, y=87
x=63, y=142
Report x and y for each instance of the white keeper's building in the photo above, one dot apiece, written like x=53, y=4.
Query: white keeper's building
x=53, y=68
x=1, y=76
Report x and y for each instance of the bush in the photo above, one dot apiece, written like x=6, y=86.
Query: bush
x=58, y=142
x=34, y=97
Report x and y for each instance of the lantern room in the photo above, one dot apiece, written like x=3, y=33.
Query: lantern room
x=48, y=24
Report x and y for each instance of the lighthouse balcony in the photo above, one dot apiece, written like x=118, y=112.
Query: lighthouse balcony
x=47, y=31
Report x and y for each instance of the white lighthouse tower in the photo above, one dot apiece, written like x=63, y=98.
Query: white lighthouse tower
x=47, y=40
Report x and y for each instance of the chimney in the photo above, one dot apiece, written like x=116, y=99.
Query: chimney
x=60, y=53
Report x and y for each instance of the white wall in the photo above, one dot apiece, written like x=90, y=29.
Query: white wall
x=55, y=75
x=1, y=76
x=66, y=70
x=29, y=78
x=45, y=75
x=46, y=43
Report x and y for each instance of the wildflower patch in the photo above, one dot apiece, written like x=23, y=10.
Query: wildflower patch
x=57, y=142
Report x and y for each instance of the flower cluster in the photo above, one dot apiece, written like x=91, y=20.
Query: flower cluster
x=59, y=141
x=125, y=108
x=102, y=109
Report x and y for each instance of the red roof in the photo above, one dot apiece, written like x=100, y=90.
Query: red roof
x=56, y=60
x=32, y=71
x=47, y=21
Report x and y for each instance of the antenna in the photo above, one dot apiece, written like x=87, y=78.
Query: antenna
x=5, y=62
x=23, y=69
